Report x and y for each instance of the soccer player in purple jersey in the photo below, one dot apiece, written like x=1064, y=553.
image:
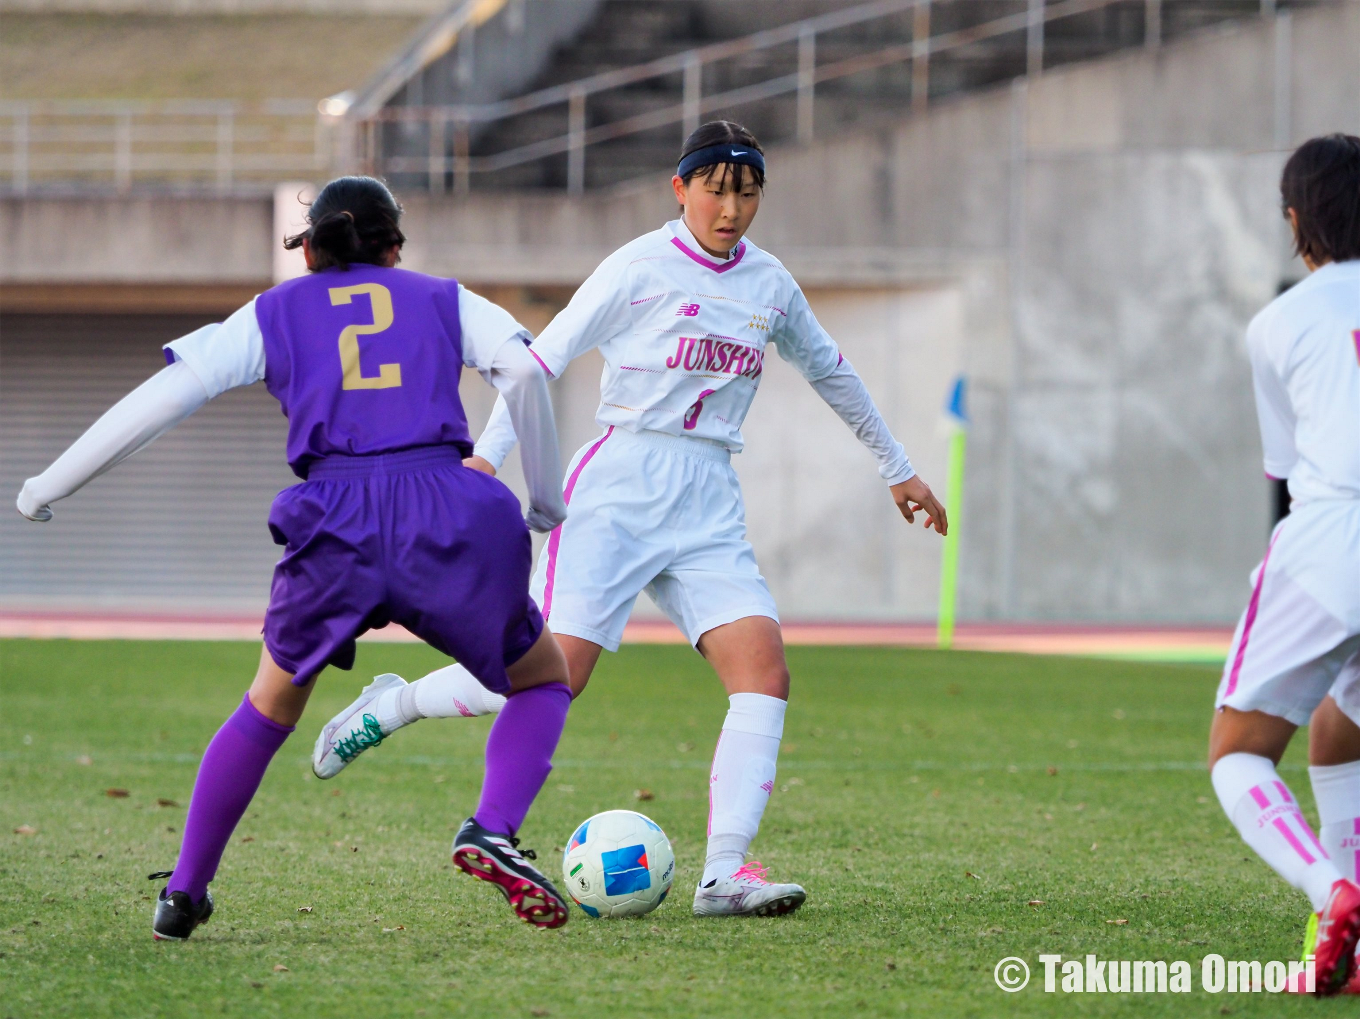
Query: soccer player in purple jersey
x=386, y=526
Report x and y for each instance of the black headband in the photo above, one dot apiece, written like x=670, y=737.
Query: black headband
x=715, y=154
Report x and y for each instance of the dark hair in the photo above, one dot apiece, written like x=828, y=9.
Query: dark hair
x=1321, y=183
x=354, y=219
x=723, y=132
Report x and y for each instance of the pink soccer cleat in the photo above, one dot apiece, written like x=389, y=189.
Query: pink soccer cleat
x=1338, y=931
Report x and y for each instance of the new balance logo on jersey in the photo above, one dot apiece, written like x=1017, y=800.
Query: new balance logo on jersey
x=688, y=310
x=709, y=355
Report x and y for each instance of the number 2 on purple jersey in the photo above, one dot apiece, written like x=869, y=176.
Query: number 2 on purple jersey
x=380, y=301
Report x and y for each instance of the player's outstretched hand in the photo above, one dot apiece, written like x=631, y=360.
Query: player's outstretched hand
x=32, y=507
x=477, y=463
x=914, y=496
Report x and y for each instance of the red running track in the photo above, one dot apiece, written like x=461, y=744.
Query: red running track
x=1152, y=642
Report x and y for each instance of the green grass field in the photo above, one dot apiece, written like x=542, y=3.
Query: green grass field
x=923, y=798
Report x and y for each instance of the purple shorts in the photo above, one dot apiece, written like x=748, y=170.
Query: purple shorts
x=414, y=538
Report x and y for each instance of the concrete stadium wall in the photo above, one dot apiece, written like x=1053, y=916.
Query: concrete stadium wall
x=143, y=239
x=1087, y=247
x=1110, y=228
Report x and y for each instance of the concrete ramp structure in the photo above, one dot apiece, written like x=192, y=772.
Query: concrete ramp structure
x=1085, y=243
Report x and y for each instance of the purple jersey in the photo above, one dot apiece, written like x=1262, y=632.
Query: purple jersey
x=364, y=361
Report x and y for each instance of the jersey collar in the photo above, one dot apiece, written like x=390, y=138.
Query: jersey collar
x=684, y=240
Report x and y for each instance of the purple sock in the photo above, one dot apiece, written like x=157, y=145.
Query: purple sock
x=519, y=754
x=228, y=776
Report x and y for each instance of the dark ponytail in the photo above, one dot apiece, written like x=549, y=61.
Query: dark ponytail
x=723, y=132
x=353, y=220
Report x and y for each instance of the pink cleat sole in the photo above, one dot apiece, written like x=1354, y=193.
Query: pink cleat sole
x=531, y=902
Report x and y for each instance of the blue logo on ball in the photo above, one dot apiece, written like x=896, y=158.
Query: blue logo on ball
x=625, y=870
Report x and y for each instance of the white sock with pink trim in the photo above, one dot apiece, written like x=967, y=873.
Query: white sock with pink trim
x=1337, y=791
x=741, y=780
x=450, y=692
x=1264, y=811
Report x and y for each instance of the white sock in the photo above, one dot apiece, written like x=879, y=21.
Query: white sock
x=1264, y=811
x=1337, y=791
x=450, y=692
x=741, y=779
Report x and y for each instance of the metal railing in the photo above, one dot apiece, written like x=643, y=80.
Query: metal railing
x=449, y=129
x=204, y=145
x=228, y=146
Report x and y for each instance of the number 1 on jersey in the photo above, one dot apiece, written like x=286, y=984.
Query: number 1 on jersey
x=380, y=300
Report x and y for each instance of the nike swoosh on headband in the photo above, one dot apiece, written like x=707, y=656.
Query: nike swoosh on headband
x=736, y=153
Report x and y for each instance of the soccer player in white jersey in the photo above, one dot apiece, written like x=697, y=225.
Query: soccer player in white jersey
x=684, y=316
x=1295, y=658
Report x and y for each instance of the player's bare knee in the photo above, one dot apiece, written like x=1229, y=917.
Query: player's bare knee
x=1333, y=738
x=542, y=664
x=777, y=682
x=1248, y=732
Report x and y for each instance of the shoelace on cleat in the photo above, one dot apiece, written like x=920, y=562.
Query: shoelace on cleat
x=349, y=747
x=528, y=854
x=753, y=871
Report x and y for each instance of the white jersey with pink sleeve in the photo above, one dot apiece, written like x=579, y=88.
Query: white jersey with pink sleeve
x=684, y=338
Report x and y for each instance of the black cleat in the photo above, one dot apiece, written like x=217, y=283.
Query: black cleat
x=496, y=858
x=176, y=914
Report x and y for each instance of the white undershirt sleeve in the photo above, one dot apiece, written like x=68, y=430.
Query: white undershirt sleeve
x=205, y=364
x=845, y=392
x=485, y=326
x=132, y=424
x=524, y=393
x=498, y=437
x=225, y=355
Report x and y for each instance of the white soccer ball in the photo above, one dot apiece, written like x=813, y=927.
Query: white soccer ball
x=618, y=863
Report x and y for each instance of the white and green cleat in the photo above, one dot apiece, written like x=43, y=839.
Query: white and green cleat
x=353, y=730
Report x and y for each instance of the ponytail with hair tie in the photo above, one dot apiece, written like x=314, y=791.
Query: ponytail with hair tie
x=335, y=234
x=353, y=220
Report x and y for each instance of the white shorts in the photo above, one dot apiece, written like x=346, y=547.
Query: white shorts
x=650, y=512
x=1299, y=638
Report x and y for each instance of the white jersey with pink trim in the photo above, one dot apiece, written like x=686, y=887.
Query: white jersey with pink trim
x=1299, y=638
x=1305, y=361
x=684, y=338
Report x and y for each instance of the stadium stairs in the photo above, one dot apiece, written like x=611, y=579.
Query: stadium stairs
x=626, y=33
